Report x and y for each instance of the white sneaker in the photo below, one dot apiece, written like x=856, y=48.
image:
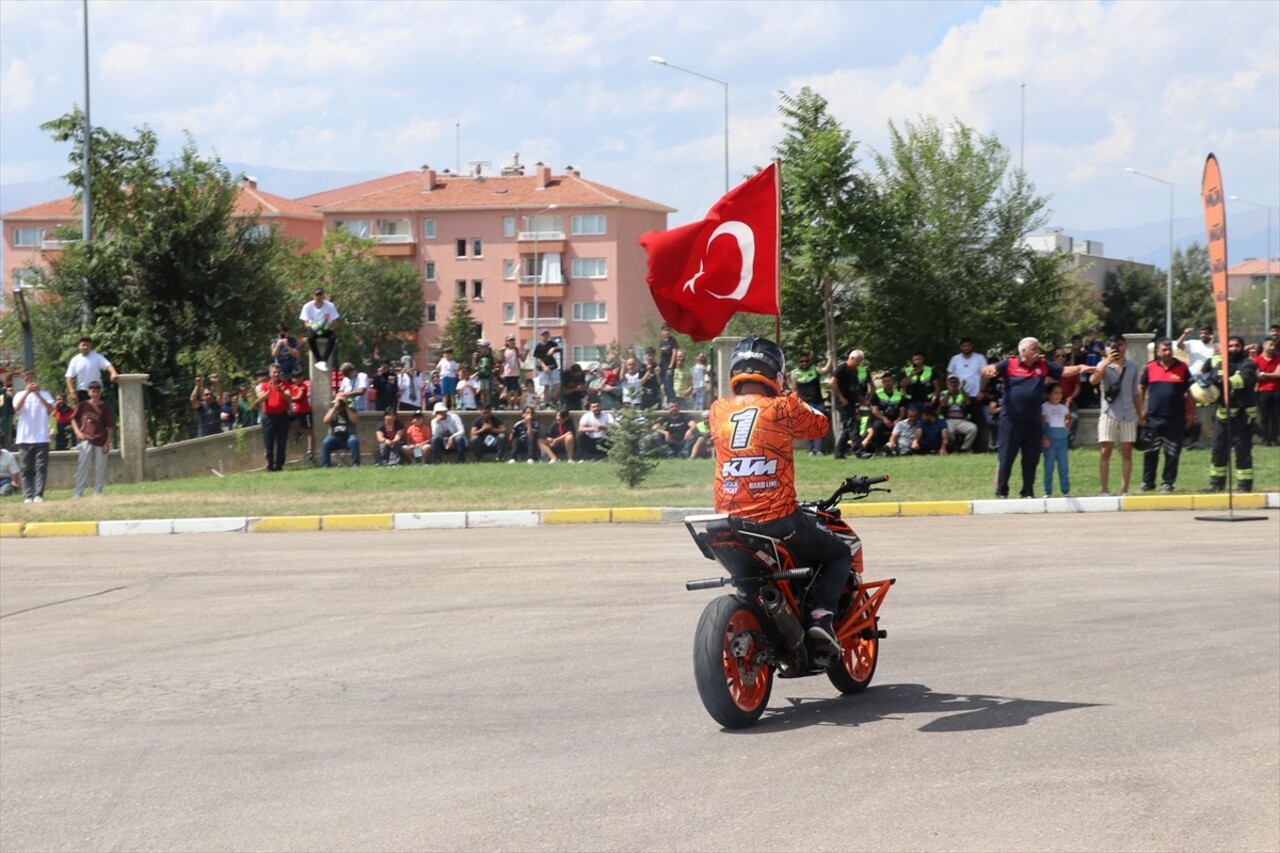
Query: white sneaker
x=27, y=500
x=322, y=366
x=39, y=499
x=552, y=461
x=511, y=461
x=529, y=461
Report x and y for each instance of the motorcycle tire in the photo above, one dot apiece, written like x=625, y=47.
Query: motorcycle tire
x=853, y=672
x=733, y=688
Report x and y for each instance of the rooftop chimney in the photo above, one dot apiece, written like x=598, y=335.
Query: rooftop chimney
x=572, y=172
x=251, y=182
x=428, y=178
x=543, y=175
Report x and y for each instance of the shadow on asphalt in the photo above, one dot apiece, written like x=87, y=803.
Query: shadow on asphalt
x=958, y=712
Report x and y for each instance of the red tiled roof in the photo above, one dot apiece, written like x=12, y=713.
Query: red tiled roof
x=250, y=199
x=405, y=191
x=1255, y=266
x=60, y=208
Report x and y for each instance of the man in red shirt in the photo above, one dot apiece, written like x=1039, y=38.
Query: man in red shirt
x=274, y=399
x=300, y=410
x=91, y=422
x=1268, y=362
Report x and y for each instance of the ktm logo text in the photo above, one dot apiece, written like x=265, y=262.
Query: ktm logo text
x=749, y=466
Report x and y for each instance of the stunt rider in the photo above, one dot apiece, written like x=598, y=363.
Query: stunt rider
x=753, y=434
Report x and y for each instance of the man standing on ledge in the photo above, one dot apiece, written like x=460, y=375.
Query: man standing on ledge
x=1021, y=429
x=318, y=316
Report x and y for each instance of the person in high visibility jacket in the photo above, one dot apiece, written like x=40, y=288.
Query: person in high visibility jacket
x=1239, y=383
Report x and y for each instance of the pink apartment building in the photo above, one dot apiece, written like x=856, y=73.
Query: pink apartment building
x=28, y=232
x=505, y=242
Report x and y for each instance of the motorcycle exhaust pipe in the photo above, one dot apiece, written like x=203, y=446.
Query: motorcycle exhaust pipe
x=779, y=613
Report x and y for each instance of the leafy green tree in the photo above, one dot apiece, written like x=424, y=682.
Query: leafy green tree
x=951, y=259
x=1082, y=307
x=171, y=284
x=824, y=213
x=1134, y=298
x=1192, y=288
x=460, y=332
x=380, y=300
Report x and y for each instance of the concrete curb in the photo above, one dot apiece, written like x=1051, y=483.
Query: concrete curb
x=619, y=515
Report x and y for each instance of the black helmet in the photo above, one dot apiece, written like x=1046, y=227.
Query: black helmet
x=757, y=360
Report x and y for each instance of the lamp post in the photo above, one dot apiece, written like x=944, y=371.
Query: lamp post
x=1266, y=294
x=660, y=61
x=1168, y=288
x=537, y=264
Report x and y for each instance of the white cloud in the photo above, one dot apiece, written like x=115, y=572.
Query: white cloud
x=17, y=89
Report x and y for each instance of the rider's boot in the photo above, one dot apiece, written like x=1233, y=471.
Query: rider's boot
x=822, y=634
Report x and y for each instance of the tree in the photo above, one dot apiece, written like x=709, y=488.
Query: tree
x=380, y=300
x=626, y=445
x=823, y=204
x=951, y=216
x=1134, y=299
x=460, y=331
x=1192, y=288
x=171, y=283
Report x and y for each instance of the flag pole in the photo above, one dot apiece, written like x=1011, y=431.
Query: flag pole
x=777, y=255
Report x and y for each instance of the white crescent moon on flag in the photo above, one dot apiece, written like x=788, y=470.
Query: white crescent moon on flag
x=741, y=232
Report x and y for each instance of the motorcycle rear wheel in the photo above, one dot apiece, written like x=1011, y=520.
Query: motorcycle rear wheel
x=857, y=665
x=734, y=689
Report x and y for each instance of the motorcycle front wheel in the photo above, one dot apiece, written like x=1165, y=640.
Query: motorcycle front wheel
x=734, y=688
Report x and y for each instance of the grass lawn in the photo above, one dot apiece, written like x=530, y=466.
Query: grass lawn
x=675, y=483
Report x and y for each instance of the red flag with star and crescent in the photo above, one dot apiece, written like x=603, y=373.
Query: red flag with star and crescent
x=703, y=273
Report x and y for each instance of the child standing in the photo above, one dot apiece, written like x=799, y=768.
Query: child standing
x=1057, y=418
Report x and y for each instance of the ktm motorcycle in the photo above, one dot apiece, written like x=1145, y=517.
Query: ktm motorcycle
x=744, y=639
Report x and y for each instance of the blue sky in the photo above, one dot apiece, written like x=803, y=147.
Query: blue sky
x=380, y=87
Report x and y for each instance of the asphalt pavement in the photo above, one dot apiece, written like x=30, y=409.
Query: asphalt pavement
x=1051, y=682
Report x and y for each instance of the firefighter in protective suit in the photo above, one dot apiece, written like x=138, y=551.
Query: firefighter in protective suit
x=1239, y=383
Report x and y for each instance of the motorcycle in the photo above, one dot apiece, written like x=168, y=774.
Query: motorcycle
x=743, y=639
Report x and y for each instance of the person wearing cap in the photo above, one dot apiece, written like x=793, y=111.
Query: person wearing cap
x=417, y=439
x=850, y=384
x=355, y=384
x=92, y=425
x=546, y=356
x=512, y=355
x=341, y=419
x=318, y=316
x=482, y=364
x=447, y=434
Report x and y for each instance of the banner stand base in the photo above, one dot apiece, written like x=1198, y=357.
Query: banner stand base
x=1231, y=518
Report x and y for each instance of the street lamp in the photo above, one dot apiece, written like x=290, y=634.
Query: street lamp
x=1168, y=288
x=660, y=61
x=1266, y=309
x=537, y=264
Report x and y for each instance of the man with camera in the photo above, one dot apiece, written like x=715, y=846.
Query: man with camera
x=341, y=420
x=284, y=350
x=206, y=405
x=1118, y=422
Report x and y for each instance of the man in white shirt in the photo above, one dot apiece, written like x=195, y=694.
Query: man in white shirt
x=447, y=434
x=32, y=408
x=1198, y=350
x=86, y=366
x=408, y=387
x=593, y=428
x=355, y=384
x=967, y=366
x=318, y=316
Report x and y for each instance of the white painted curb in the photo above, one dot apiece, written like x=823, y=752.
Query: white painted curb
x=504, y=518
x=210, y=525
x=1092, y=504
x=141, y=527
x=428, y=520
x=1009, y=506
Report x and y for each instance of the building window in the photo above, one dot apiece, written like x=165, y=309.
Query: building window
x=589, y=353
x=477, y=290
x=429, y=271
x=588, y=268
x=508, y=312
x=460, y=288
x=357, y=227
x=546, y=227
x=477, y=248
x=587, y=224
x=257, y=233
x=26, y=277
x=431, y=312
x=508, y=226
x=28, y=237
x=392, y=231
x=508, y=269
x=588, y=312
x=461, y=250
x=428, y=229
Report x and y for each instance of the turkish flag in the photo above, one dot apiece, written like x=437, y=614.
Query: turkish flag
x=703, y=273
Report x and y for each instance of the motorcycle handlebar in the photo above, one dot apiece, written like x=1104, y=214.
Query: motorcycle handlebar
x=860, y=486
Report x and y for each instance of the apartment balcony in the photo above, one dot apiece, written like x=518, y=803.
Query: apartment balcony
x=543, y=322
x=55, y=245
x=395, y=246
x=546, y=290
x=541, y=242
